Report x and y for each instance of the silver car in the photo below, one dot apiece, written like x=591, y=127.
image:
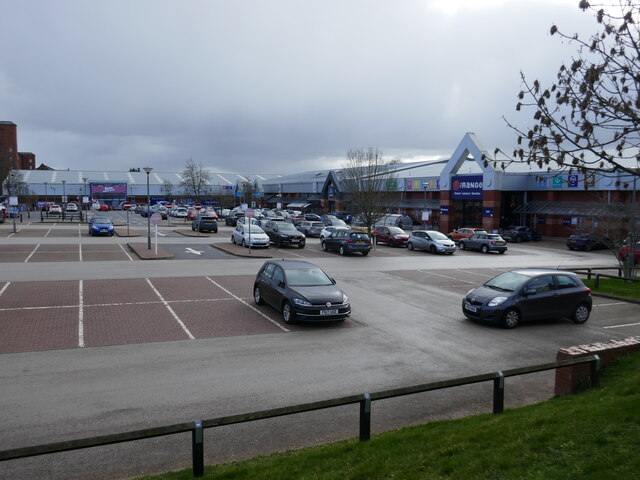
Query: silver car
x=431, y=241
x=249, y=236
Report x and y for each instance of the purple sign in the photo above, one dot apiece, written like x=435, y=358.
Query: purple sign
x=466, y=187
x=102, y=188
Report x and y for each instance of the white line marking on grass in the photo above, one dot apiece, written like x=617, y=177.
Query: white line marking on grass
x=81, y=315
x=31, y=254
x=250, y=306
x=126, y=253
x=175, y=316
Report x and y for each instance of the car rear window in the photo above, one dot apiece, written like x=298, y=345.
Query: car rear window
x=359, y=236
x=565, y=281
x=101, y=220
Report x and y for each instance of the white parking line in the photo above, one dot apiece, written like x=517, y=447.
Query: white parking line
x=49, y=231
x=4, y=288
x=447, y=277
x=623, y=325
x=80, y=251
x=81, y=315
x=31, y=254
x=171, y=311
x=126, y=253
x=290, y=253
x=248, y=305
x=610, y=304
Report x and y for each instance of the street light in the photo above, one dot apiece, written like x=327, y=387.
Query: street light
x=148, y=171
x=83, y=205
x=14, y=210
x=46, y=194
x=64, y=192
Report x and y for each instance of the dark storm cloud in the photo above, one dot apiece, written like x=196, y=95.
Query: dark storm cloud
x=271, y=86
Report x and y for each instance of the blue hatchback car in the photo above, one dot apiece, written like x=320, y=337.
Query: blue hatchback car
x=101, y=226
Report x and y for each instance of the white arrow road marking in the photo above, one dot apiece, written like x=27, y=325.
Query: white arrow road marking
x=197, y=252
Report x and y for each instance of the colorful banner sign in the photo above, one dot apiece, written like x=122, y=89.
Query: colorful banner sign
x=113, y=188
x=466, y=187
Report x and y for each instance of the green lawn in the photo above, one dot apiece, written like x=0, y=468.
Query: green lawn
x=588, y=436
x=615, y=287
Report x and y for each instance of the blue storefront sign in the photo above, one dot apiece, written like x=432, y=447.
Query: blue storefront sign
x=466, y=187
x=573, y=181
x=487, y=212
x=444, y=210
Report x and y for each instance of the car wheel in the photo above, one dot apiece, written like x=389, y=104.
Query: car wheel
x=410, y=246
x=461, y=246
x=242, y=244
x=581, y=314
x=215, y=231
x=301, y=245
x=288, y=315
x=518, y=239
x=364, y=254
x=502, y=252
x=324, y=246
x=193, y=229
x=485, y=249
x=511, y=318
x=342, y=251
x=233, y=239
x=90, y=233
x=257, y=295
x=279, y=243
x=432, y=249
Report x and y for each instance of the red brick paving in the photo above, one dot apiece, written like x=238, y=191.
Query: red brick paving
x=129, y=290
x=195, y=288
x=126, y=324
x=40, y=294
x=31, y=330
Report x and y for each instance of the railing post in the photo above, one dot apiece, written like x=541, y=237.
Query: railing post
x=589, y=273
x=595, y=369
x=597, y=284
x=365, y=418
x=197, y=447
x=498, y=393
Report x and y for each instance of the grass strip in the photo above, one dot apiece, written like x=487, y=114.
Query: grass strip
x=593, y=435
x=616, y=287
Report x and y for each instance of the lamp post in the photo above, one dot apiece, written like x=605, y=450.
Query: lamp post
x=14, y=210
x=46, y=193
x=64, y=192
x=148, y=171
x=83, y=205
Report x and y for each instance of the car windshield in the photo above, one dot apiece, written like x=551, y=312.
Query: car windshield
x=101, y=220
x=493, y=235
x=317, y=224
x=397, y=231
x=508, y=281
x=438, y=236
x=287, y=227
x=254, y=229
x=307, y=277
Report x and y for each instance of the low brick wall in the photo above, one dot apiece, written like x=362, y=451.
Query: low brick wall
x=568, y=379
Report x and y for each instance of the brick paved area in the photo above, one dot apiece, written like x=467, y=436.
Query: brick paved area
x=90, y=313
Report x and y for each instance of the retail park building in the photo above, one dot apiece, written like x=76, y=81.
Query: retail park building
x=443, y=194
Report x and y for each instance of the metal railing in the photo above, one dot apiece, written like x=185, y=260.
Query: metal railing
x=589, y=273
x=364, y=400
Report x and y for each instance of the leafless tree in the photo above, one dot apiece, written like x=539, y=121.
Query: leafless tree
x=195, y=180
x=371, y=182
x=588, y=119
x=167, y=189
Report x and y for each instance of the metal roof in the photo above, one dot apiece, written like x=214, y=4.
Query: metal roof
x=576, y=209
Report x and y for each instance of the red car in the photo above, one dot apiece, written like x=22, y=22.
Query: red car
x=104, y=207
x=464, y=232
x=392, y=236
x=625, y=250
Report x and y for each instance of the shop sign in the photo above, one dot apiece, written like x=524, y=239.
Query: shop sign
x=542, y=220
x=487, y=212
x=444, y=210
x=542, y=182
x=466, y=187
x=557, y=181
x=566, y=221
x=573, y=181
x=433, y=184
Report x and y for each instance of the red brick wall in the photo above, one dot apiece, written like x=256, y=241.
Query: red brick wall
x=568, y=379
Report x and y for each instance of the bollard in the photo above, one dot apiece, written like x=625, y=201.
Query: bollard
x=365, y=418
x=595, y=369
x=197, y=446
x=498, y=394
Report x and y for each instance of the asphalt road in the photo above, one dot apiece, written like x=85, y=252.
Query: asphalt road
x=407, y=328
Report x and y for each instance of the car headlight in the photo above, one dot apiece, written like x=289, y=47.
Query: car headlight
x=345, y=299
x=301, y=302
x=497, y=301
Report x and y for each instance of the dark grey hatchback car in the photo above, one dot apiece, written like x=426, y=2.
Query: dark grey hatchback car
x=529, y=294
x=301, y=291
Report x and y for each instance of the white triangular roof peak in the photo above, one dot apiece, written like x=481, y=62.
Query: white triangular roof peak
x=470, y=145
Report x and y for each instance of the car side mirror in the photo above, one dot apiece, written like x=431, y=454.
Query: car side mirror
x=529, y=291
x=281, y=284
x=332, y=281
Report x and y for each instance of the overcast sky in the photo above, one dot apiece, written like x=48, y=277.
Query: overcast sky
x=273, y=86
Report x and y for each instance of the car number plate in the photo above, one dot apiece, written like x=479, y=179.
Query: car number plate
x=329, y=312
x=360, y=243
x=295, y=240
x=470, y=307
